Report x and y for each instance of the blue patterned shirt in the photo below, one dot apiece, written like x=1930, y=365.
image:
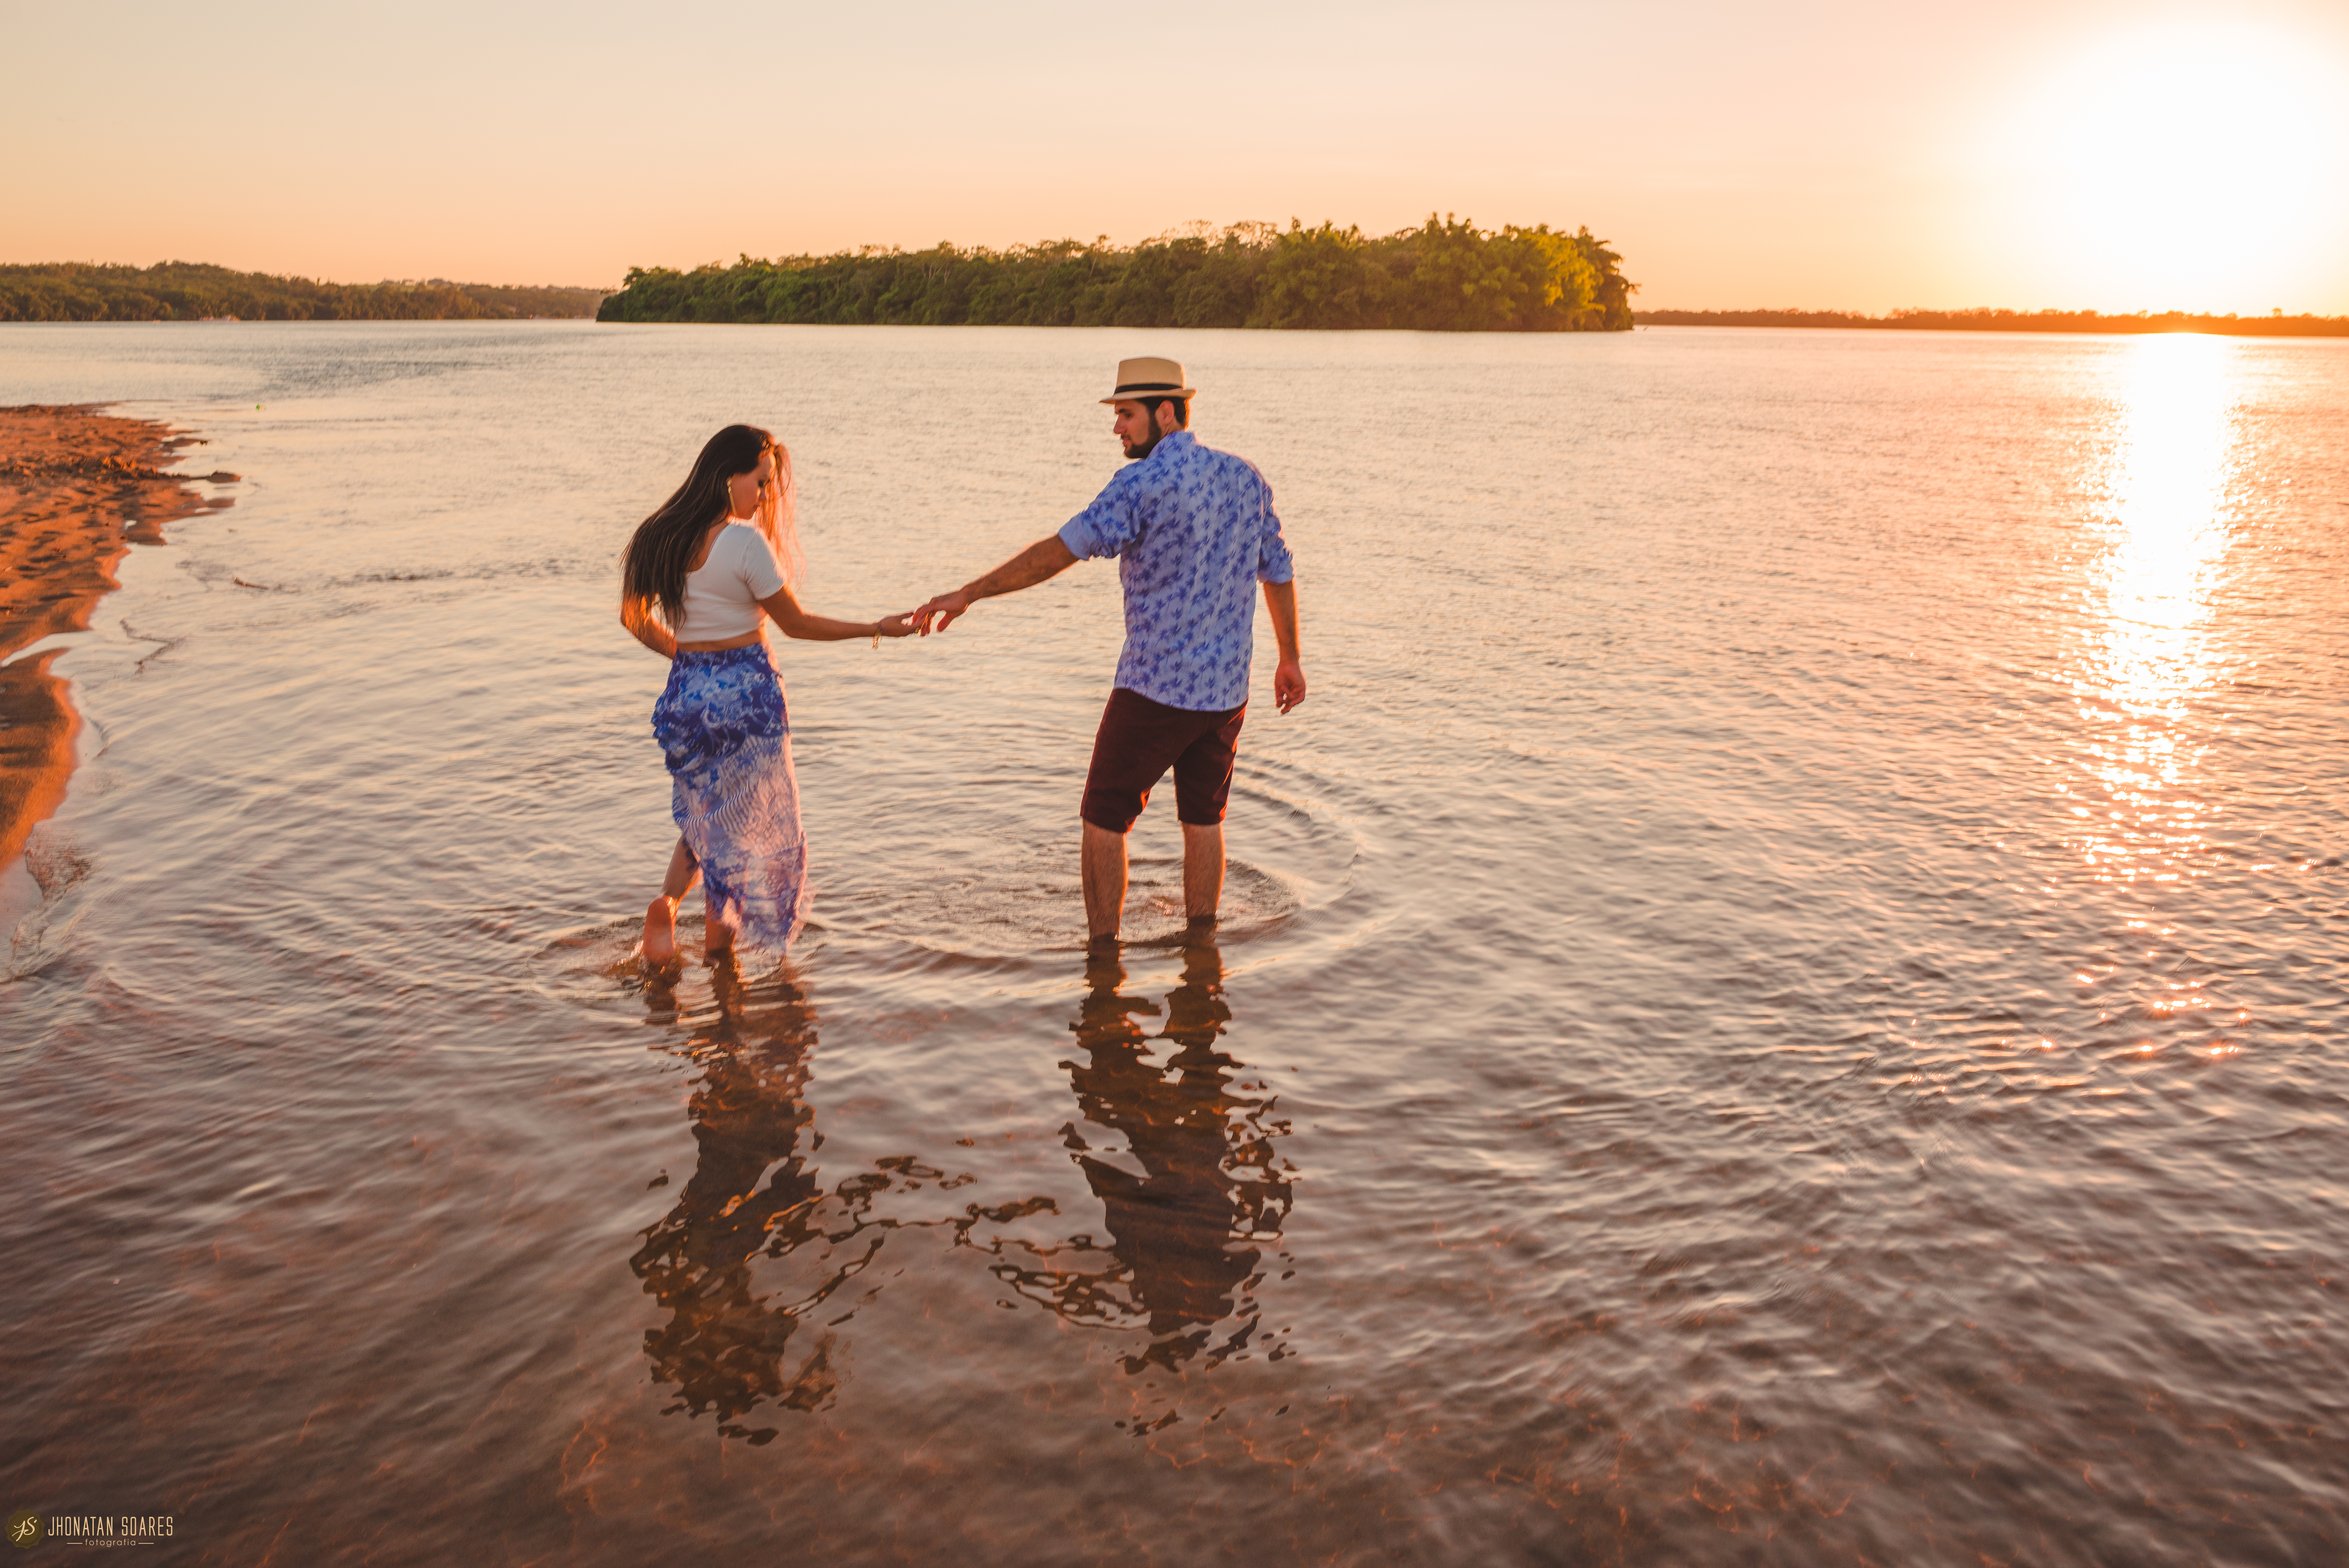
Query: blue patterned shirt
x=1193, y=532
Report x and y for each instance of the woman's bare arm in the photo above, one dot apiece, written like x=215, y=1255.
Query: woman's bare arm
x=784, y=607
x=637, y=617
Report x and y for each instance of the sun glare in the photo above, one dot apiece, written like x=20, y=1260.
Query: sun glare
x=2195, y=169
x=2166, y=534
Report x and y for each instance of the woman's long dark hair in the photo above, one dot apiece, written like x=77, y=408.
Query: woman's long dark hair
x=652, y=567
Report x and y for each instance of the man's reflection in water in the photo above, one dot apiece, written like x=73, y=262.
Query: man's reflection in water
x=727, y=1339
x=1196, y=1192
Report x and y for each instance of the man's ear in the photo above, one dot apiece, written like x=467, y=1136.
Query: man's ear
x=1164, y=418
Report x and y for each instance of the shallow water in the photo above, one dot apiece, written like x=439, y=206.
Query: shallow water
x=1781, y=1001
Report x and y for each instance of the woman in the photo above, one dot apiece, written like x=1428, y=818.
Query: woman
x=694, y=583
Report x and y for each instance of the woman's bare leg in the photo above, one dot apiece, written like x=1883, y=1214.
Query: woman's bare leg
x=716, y=936
x=682, y=868
x=660, y=915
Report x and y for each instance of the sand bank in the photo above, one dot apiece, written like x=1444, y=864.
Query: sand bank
x=77, y=487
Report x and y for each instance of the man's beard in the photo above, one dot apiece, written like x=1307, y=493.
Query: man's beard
x=1135, y=454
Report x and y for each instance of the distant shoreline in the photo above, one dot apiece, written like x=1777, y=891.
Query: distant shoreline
x=77, y=488
x=191, y=291
x=1987, y=320
x=1310, y=278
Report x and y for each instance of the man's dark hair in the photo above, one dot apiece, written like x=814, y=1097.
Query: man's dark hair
x=1181, y=411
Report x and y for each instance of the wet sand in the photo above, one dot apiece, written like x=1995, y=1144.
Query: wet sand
x=77, y=488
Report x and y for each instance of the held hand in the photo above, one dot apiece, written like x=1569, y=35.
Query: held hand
x=896, y=625
x=942, y=612
x=1287, y=685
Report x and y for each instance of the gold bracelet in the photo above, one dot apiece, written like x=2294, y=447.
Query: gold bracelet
x=877, y=636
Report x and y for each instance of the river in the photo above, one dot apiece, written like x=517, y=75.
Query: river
x=1774, y=1001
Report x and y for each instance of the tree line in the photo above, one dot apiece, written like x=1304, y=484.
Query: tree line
x=191, y=291
x=1984, y=319
x=1446, y=275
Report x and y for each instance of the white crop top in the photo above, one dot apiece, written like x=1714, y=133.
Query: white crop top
x=721, y=599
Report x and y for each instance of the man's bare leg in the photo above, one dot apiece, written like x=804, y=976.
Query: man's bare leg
x=1104, y=880
x=1202, y=871
x=660, y=915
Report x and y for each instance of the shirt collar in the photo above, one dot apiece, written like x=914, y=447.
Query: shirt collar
x=1172, y=441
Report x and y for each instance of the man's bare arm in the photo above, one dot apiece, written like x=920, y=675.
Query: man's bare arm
x=1047, y=558
x=1288, y=679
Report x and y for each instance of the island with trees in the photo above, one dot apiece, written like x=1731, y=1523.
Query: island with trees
x=193, y=291
x=1446, y=275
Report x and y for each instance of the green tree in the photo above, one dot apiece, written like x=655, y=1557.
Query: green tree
x=1321, y=277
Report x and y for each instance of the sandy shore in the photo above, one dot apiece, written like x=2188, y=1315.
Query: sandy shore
x=77, y=487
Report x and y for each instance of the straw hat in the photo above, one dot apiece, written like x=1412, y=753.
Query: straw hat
x=1149, y=378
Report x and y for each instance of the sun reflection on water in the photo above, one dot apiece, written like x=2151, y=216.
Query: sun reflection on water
x=2148, y=613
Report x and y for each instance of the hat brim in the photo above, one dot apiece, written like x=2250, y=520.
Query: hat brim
x=1139, y=393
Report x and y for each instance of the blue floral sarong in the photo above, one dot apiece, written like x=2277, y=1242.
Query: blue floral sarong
x=726, y=736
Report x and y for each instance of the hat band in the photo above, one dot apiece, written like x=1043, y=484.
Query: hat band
x=1147, y=386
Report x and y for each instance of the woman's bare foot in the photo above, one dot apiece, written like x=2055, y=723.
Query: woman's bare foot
x=660, y=932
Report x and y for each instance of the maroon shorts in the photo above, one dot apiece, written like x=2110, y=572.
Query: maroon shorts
x=1140, y=740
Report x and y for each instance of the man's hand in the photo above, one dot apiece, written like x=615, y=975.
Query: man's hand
x=1288, y=679
x=943, y=611
x=1288, y=685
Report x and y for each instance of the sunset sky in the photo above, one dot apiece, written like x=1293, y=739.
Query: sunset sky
x=1828, y=155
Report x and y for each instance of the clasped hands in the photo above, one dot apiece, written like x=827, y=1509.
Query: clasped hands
x=940, y=612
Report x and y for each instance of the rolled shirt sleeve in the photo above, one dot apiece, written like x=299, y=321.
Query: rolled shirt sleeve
x=1273, y=562
x=1110, y=524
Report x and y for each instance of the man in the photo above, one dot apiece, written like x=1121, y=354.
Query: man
x=1192, y=529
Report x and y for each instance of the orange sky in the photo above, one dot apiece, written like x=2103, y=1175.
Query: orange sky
x=1835, y=155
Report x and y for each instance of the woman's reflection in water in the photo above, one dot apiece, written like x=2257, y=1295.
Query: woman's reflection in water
x=1196, y=1194
x=736, y=1264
